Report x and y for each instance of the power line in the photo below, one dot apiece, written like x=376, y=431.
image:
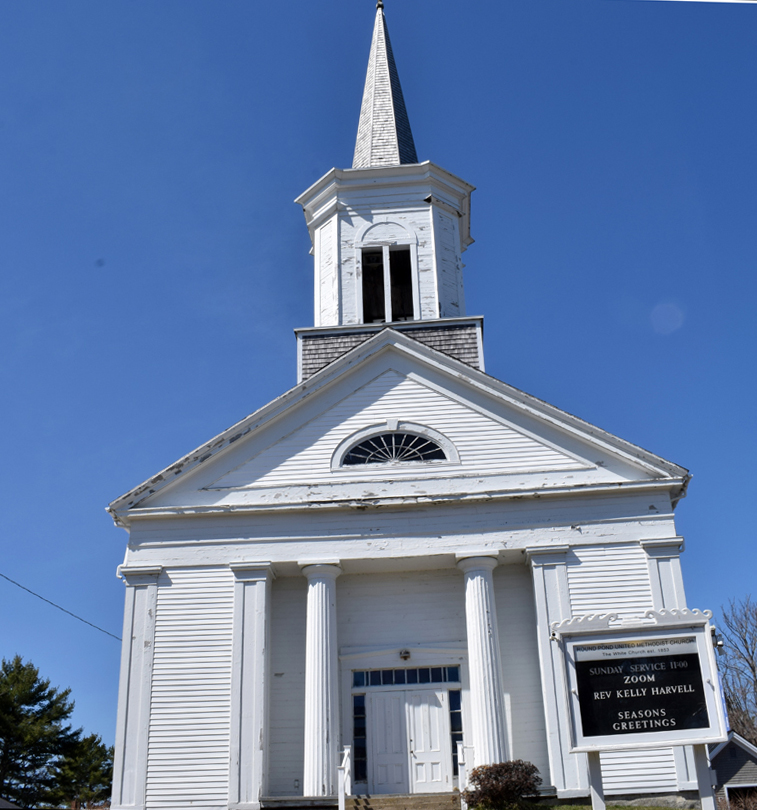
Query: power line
x=28, y=590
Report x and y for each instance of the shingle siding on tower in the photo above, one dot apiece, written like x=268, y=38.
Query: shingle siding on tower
x=460, y=341
x=384, y=137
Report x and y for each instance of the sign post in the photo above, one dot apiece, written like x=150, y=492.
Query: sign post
x=642, y=685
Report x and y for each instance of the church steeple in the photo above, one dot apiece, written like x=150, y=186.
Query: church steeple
x=388, y=236
x=384, y=137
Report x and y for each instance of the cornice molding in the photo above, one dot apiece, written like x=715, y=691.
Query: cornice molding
x=399, y=501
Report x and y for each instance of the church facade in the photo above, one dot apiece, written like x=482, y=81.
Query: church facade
x=374, y=559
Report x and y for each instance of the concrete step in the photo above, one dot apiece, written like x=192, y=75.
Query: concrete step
x=298, y=803
x=415, y=801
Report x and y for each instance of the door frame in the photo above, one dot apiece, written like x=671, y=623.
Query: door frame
x=452, y=653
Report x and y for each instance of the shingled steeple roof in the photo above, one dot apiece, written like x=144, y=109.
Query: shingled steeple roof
x=383, y=136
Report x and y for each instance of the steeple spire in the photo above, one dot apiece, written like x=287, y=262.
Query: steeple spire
x=383, y=136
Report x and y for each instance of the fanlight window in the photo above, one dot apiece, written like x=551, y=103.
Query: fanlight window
x=394, y=447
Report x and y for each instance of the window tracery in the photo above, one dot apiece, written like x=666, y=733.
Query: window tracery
x=394, y=447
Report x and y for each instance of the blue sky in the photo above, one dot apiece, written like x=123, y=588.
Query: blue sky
x=153, y=264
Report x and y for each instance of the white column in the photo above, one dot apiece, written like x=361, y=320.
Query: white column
x=321, y=682
x=484, y=662
x=135, y=686
x=250, y=684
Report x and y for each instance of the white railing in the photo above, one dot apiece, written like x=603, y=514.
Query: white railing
x=464, y=756
x=344, y=776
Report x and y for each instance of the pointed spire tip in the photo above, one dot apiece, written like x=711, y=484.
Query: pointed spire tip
x=384, y=137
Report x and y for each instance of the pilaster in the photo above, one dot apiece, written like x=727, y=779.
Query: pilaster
x=487, y=698
x=568, y=772
x=135, y=686
x=321, y=681
x=249, y=684
x=664, y=560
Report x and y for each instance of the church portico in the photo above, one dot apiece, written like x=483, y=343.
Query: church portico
x=401, y=634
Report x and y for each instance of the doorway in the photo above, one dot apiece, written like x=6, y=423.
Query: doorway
x=409, y=745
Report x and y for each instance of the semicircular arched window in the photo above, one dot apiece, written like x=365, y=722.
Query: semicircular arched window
x=395, y=446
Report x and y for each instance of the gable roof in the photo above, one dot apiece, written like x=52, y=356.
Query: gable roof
x=734, y=739
x=425, y=361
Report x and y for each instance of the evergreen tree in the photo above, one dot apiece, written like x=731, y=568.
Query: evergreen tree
x=33, y=733
x=84, y=776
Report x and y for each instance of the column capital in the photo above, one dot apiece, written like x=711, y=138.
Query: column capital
x=139, y=574
x=320, y=568
x=543, y=555
x=663, y=547
x=477, y=562
x=253, y=571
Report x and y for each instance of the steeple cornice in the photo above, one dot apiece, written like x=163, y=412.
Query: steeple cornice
x=384, y=137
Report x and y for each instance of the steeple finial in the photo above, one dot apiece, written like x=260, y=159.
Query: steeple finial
x=384, y=137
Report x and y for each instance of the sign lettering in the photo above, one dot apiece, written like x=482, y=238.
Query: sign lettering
x=629, y=687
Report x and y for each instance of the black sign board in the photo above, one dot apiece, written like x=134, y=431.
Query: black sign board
x=628, y=688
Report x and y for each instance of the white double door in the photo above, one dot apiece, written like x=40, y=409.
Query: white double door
x=409, y=747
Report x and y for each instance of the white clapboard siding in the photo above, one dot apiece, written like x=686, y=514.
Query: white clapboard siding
x=287, y=696
x=650, y=771
x=518, y=636
x=485, y=445
x=414, y=607
x=188, y=748
x=604, y=579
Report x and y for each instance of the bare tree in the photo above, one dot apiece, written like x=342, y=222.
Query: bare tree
x=739, y=670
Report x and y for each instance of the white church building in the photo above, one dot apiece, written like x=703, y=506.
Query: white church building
x=374, y=559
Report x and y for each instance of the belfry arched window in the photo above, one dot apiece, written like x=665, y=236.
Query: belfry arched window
x=396, y=446
x=387, y=265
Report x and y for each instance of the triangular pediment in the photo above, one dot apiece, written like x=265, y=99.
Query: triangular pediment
x=497, y=439
x=482, y=443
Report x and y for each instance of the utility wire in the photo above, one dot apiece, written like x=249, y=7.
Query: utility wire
x=24, y=588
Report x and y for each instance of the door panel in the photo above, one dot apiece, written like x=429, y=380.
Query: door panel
x=387, y=754
x=429, y=741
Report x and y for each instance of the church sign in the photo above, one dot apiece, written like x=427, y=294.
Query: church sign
x=646, y=686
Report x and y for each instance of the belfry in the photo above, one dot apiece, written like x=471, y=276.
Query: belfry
x=363, y=574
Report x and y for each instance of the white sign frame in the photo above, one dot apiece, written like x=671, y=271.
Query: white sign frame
x=660, y=625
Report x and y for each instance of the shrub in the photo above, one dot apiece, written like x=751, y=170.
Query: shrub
x=502, y=786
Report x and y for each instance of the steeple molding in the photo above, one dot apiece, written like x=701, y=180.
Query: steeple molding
x=446, y=190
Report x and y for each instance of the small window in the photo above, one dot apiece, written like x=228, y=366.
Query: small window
x=406, y=675
x=394, y=447
x=456, y=725
x=374, y=310
x=359, y=736
x=401, y=274
x=387, y=285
